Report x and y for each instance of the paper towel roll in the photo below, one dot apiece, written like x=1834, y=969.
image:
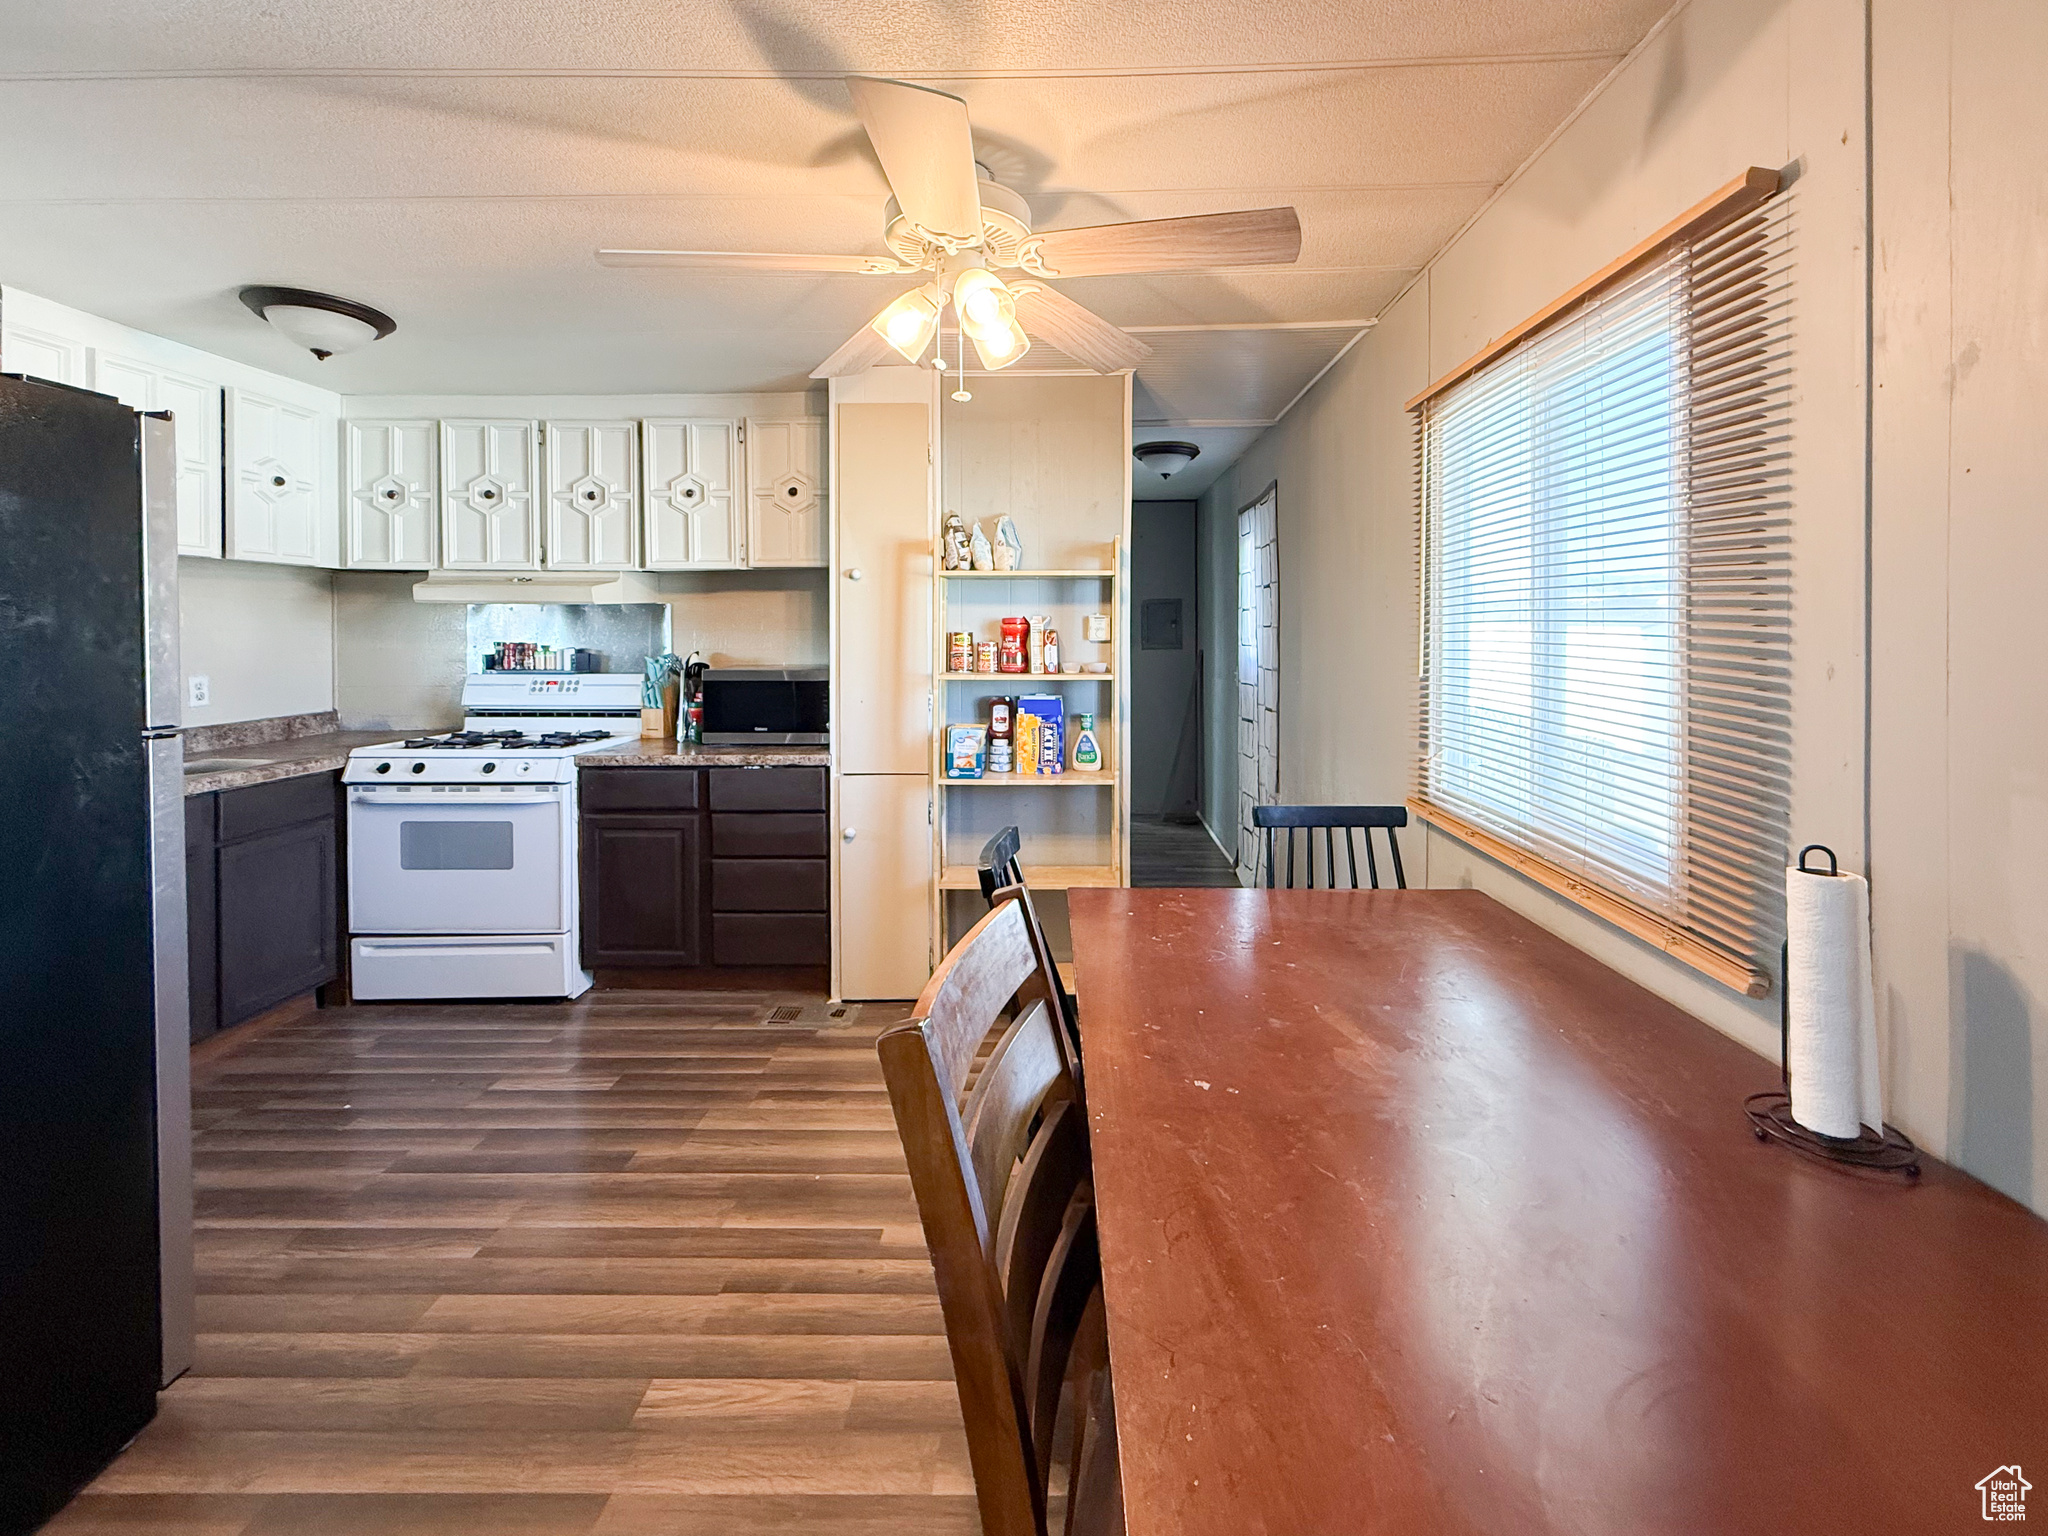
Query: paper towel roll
x=1831, y=1047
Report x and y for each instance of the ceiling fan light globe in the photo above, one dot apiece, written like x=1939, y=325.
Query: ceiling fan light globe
x=908, y=323
x=984, y=301
x=999, y=348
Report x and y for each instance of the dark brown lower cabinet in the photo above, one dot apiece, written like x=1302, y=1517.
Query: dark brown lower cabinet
x=262, y=897
x=642, y=877
x=696, y=867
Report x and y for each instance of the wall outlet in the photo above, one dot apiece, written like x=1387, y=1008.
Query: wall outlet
x=199, y=690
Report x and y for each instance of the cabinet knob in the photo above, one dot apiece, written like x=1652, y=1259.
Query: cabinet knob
x=853, y=573
x=846, y=836
x=278, y=481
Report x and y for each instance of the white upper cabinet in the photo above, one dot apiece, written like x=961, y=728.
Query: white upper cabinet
x=274, y=507
x=593, y=507
x=489, y=517
x=145, y=385
x=42, y=353
x=392, y=515
x=691, y=470
x=786, y=492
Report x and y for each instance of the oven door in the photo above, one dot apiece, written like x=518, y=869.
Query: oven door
x=456, y=860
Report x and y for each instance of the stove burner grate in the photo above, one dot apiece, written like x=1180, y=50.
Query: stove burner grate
x=504, y=741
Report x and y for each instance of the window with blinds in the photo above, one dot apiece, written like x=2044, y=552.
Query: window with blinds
x=1606, y=639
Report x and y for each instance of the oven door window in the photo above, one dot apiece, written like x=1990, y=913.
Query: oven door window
x=454, y=868
x=432, y=844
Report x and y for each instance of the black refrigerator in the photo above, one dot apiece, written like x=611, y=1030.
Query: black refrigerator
x=95, y=1118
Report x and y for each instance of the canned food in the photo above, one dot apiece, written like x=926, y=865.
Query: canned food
x=960, y=651
x=985, y=656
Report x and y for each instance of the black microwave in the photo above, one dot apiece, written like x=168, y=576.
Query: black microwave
x=760, y=706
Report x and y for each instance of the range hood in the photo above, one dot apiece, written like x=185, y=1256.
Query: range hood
x=536, y=587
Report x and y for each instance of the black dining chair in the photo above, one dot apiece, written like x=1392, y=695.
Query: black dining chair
x=998, y=869
x=1306, y=819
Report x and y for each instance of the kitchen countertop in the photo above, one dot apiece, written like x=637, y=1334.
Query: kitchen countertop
x=288, y=759
x=647, y=752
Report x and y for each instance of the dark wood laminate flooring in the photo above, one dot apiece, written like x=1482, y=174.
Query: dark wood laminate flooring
x=1164, y=853
x=645, y=1263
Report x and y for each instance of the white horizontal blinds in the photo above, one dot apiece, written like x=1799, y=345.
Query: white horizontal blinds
x=1603, y=624
x=1738, y=634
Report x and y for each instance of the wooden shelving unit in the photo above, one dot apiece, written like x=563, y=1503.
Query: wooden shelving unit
x=1021, y=681
x=1052, y=452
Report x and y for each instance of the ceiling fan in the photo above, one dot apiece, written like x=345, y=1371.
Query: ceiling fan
x=950, y=219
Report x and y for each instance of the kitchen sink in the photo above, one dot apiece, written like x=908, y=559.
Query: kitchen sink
x=225, y=764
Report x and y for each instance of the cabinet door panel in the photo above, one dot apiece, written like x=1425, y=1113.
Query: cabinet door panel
x=882, y=714
x=45, y=355
x=394, y=486
x=883, y=896
x=278, y=930
x=489, y=518
x=202, y=916
x=641, y=890
x=691, y=471
x=593, y=479
x=194, y=405
x=273, y=477
x=786, y=492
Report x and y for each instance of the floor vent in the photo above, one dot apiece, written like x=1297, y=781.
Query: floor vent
x=821, y=1012
x=785, y=1015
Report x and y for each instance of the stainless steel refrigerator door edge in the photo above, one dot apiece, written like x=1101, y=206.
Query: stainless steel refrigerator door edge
x=173, y=1050
x=163, y=680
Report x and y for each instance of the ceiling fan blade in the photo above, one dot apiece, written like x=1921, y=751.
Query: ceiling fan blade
x=1079, y=332
x=750, y=261
x=927, y=152
x=1252, y=238
x=861, y=351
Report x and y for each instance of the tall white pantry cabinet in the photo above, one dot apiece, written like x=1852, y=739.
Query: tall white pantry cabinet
x=1050, y=449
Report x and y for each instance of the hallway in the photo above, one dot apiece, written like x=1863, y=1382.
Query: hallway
x=1165, y=853
x=643, y=1263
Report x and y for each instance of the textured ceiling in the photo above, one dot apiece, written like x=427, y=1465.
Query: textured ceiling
x=455, y=163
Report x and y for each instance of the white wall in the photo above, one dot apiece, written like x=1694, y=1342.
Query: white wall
x=1726, y=84
x=1959, y=746
x=262, y=636
x=1944, y=576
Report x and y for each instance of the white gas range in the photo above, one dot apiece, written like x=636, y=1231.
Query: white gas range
x=462, y=848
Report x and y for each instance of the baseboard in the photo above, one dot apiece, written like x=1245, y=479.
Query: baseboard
x=1228, y=851
x=225, y=1042
x=713, y=978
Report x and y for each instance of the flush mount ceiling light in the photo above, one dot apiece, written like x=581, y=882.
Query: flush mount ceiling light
x=324, y=325
x=1164, y=459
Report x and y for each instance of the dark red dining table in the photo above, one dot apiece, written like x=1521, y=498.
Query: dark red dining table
x=1417, y=1219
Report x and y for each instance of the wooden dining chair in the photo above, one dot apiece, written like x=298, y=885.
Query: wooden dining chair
x=1308, y=819
x=1000, y=870
x=1000, y=1170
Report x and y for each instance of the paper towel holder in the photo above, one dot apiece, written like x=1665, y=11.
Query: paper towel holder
x=1770, y=1113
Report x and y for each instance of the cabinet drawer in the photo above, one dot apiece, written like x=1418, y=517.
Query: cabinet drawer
x=282, y=803
x=769, y=835
x=639, y=789
x=767, y=789
x=771, y=938
x=768, y=885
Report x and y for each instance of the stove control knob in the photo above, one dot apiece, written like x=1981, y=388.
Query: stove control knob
x=383, y=767
x=490, y=767
x=419, y=767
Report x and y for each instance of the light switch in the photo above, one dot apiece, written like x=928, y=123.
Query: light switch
x=200, y=688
